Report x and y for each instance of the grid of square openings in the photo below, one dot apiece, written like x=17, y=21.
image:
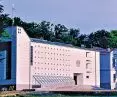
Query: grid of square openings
x=53, y=48
x=48, y=68
x=50, y=58
x=19, y=30
x=38, y=71
x=51, y=64
x=51, y=54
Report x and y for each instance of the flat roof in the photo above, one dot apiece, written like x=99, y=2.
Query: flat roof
x=59, y=44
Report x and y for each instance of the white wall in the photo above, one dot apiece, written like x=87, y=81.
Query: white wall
x=50, y=60
x=91, y=70
x=54, y=60
x=23, y=59
x=98, y=69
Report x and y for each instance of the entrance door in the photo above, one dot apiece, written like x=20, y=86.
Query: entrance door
x=78, y=78
x=75, y=79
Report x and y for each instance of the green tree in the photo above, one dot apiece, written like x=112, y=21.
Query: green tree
x=5, y=35
x=74, y=32
x=30, y=28
x=82, y=40
x=45, y=30
x=1, y=21
x=59, y=31
x=113, y=39
x=100, y=38
x=17, y=21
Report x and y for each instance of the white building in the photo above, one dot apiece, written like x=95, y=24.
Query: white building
x=37, y=63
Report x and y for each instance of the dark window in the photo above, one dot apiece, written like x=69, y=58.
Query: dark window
x=114, y=61
x=8, y=67
x=87, y=76
x=6, y=47
x=31, y=59
x=114, y=77
x=88, y=60
x=87, y=54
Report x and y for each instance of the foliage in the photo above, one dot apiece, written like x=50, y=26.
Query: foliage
x=113, y=39
x=1, y=22
x=5, y=34
x=74, y=32
x=3, y=19
x=99, y=38
x=60, y=33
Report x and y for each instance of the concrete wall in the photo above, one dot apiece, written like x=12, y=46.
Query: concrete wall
x=97, y=61
x=23, y=59
x=54, y=60
x=89, y=64
x=50, y=60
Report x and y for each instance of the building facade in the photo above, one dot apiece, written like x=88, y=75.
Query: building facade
x=72, y=65
x=108, y=68
x=37, y=63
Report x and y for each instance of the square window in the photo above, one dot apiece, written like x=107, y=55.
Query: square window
x=87, y=76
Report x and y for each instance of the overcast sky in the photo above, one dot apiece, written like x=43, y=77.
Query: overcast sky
x=88, y=15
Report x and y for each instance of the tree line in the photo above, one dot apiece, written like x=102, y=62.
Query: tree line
x=60, y=33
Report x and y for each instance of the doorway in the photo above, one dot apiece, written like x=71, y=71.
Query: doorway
x=78, y=78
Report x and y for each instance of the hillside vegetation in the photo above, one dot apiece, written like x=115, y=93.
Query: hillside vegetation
x=60, y=33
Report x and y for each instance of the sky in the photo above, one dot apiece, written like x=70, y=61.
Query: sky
x=88, y=15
